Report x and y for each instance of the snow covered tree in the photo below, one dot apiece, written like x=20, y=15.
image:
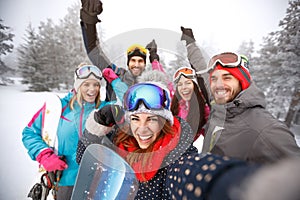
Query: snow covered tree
x=247, y=49
x=265, y=73
x=49, y=57
x=50, y=53
x=268, y=52
x=30, y=63
x=289, y=55
x=279, y=64
x=72, y=50
x=6, y=37
x=63, y=49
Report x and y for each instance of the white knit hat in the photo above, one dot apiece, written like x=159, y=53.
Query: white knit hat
x=79, y=81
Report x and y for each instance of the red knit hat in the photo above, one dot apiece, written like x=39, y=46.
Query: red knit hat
x=241, y=73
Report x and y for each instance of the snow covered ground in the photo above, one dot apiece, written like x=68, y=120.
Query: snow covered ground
x=18, y=173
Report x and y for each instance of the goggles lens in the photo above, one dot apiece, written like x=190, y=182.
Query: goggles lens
x=227, y=59
x=186, y=71
x=134, y=48
x=153, y=97
x=86, y=70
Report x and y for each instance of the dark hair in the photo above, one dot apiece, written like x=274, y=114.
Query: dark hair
x=196, y=114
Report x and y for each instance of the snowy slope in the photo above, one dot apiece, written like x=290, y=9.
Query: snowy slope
x=18, y=172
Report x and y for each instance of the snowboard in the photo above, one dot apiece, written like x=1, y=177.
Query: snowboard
x=104, y=175
x=51, y=116
x=51, y=120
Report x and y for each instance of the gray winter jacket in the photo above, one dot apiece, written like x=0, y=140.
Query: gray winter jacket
x=244, y=129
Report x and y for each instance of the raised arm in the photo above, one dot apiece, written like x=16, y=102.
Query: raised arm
x=195, y=56
x=88, y=16
x=197, y=61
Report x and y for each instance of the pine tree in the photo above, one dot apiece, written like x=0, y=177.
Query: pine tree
x=50, y=51
x=6, y=37
x=289, y=54
x=30, y=63
x=49, y=57
x=72, y=50
x=247, y=49
x=279, y=64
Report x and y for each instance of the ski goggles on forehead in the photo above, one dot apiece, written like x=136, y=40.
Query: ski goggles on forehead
x=86, y=70
x=227, y=59
x=135, y=48
x=153, y=97
x=186, y=71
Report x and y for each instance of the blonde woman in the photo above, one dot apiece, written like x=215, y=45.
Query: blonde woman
x=76, y=106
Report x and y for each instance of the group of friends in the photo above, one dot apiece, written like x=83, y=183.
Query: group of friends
x=158, y=120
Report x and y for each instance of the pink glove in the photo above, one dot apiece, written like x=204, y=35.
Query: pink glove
x=50, y=161
x=109, y=74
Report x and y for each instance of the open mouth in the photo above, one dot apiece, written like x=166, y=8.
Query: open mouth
x=186, y=94
x=135, y=70
x=145, y=137
x=91, y=95
x=221, y=93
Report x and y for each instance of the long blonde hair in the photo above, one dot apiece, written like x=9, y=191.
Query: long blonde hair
x=78, y=97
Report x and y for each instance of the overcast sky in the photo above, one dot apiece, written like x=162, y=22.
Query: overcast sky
x=224, y=23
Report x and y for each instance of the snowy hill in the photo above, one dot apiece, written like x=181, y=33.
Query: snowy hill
x=18, y=172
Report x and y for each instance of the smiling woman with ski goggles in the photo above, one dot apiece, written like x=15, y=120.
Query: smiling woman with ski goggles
x=153, y=97
x=185, y=71
x=85, y=71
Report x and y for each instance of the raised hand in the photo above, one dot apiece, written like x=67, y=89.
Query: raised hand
x=152, y=47
x=89, y=11
x=109, y=115
x=187, y=35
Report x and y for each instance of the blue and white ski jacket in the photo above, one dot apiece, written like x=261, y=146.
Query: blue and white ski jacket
x=70, y=128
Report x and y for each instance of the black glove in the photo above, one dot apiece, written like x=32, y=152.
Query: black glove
x=110, y=115
x=152, y=47
x=187, y=35
x=89, y=11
